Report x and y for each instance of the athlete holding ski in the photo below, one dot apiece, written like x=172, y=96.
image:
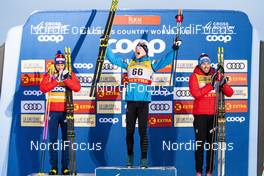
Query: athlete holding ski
x=138, y=94
x=202, y=85
x=60, y=77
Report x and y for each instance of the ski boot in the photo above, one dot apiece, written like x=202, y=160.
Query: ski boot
x=198, y=174
x=53, y=171
x=65, y=171
x=208, y=174
x=130, y=161
x=143, y=163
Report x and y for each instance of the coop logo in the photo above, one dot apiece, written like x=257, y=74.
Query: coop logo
x=32, y=93
x=155, y=46
x=219, y=38
x=86, y=66
x=50, y=38
x=32, y=107
x=236, y=119
x=59, y=89
x=109, y=120
x=182, y=79
x=164, y=92
x=160, y=107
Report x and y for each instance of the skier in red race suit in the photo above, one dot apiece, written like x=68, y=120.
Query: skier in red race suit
x=201, y=85
x=57, y=97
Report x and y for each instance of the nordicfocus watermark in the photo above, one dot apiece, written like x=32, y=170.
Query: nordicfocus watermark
x=64, y=145
x=192, y=145
x=154, y=90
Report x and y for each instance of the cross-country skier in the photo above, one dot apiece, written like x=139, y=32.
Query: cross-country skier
x=60, y=78
x=201, y=85
x=138, y=95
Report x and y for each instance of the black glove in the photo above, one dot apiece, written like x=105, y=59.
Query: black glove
x=223, y=81
x=214, y=78
x=176, y=44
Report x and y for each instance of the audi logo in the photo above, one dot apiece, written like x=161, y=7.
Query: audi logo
x=239, y=65
x=182, y=79
x=85, y=79
x=32, y=106
x=109, y=66
x=183, y=93
x=236, y=119
x=218, y=38
x=50, y=38
x=84, y=65
x=160, y=107
x=32, y=92
x=109, y=120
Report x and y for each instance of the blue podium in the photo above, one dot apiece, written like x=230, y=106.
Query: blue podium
x=135, y=171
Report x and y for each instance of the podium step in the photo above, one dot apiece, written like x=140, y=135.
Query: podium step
x=135, y=171
x=46, y=174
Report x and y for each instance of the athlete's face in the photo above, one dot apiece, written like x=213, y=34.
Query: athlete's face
x=140, y=52
x=60, y=67
x=205, y=67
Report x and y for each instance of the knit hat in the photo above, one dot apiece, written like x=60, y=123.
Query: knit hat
x=203, y=58
x=59, y=58
x=144, y=46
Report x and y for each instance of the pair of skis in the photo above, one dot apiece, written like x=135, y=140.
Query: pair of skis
x=219, y=121
x=103, y=46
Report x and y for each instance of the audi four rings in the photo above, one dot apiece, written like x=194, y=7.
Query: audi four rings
x=160, y=107
x=239, y=65
x=33, y=106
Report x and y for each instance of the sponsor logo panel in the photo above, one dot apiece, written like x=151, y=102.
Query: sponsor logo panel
x=83, y=94
x=108, y=120
x=32, y=120
x=84, y=120
x=182, y=93
x=237, y=79
x=185, y=120
x=239, y=93
x=109, y=93
x=109, y=107
x=85, y=79
x=182, y=66
x=183, y=107
x=235, y=66
x=137, y=20
x=108, y=67
x=110, y=80
x=160, y=120
x=161, y=80
x=31, y=79
x=31, y=107
x=160, y=107
x=84, y=107
x=32, y=66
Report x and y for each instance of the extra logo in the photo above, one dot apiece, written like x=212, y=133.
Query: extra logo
x=86, y=66
x=124, y=46
x=239, y=119
x=32, y=93
x=219, y=38
x=160, y=120
x=109, y=120
x=157, y=107
x=32, y=107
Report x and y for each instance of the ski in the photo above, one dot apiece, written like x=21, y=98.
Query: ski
x=102, y=49
x=70, y=116
x=179, y=20
x=221, y=118
x=46, y=125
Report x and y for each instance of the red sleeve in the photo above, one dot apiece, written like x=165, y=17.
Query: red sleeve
x=46, y=84
x=195, y=90
x=73, y=83
x=227, y=90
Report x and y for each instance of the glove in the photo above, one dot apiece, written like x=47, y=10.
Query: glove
x=62, y=75
x=223, y=81
x=214, y=78
x=176, y=44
